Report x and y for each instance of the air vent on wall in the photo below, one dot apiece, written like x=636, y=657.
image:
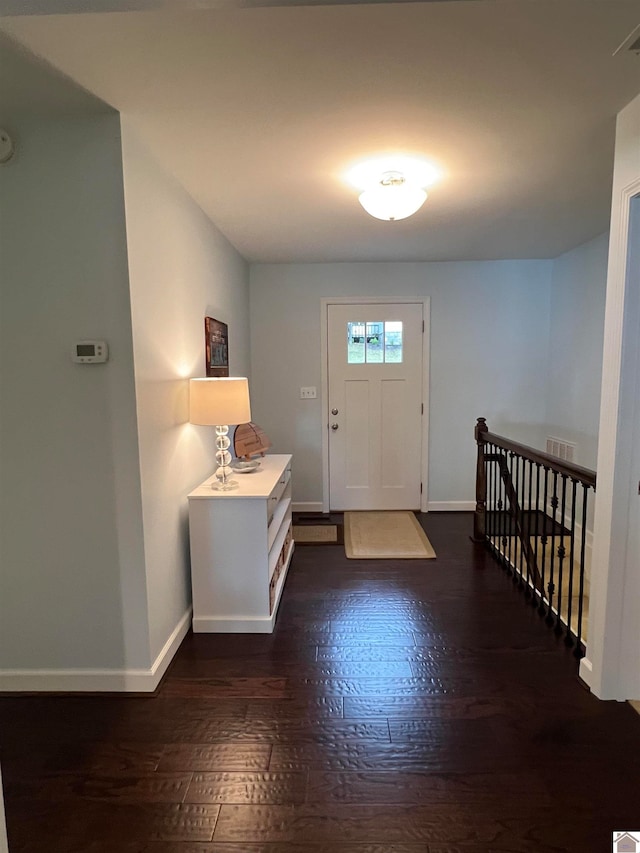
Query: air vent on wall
x=562, y=449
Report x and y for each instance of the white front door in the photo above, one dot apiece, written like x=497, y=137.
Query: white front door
x=375, y=405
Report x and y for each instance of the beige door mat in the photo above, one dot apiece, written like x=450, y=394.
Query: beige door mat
x=385, y=536
x=318, y=534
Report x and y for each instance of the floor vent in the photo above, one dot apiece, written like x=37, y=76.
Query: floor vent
x=562, y=449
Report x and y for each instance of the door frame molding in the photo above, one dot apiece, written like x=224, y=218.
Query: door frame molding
x=324, y=402
x=610, y=665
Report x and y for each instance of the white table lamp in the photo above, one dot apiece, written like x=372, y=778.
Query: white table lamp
x=219, y=402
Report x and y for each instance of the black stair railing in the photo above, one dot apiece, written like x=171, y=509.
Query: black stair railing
x=532, y=512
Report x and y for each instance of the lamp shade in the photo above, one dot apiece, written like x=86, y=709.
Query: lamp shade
x=218, y=401
x=393, y=200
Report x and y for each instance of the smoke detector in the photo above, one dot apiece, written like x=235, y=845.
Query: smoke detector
x=631, y=44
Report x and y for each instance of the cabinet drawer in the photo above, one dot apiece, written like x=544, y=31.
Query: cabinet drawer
x=279, y=488
x=276, y=494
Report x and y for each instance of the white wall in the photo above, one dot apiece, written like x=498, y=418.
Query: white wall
x=489, y=351
x=181, y=269
x=70, y=494
x=612, y=664
x=97, y=461
x=578, y=289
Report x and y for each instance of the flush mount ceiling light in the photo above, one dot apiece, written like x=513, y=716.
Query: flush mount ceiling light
x=393, y=197
x=392, y=185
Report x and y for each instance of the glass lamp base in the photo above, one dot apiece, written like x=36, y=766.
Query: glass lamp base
x=223, y=481
x=221, y=486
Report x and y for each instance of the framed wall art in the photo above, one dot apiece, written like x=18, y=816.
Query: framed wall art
x=216, y=338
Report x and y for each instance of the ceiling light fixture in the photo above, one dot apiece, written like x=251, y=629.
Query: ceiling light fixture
x=393, y=197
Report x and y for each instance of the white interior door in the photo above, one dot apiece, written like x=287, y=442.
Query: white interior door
x=375, y=405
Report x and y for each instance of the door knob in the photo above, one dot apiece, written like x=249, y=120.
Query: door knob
x=334, y=411
x=334, y=427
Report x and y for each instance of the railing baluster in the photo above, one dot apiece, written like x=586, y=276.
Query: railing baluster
x=527, y=590
x=543, y=541
x=513, y=527
x=507, y=520
x=498, y=522
x=572, y=531
x=552, y=551
x=513, y=542
x=583, y=555
x=496, y=484
x=523, y=520
x=489, y=494
x=534, y=598
x=561, y=554
x=503, y=512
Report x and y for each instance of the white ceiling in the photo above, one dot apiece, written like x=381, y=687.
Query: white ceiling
x=260, y=111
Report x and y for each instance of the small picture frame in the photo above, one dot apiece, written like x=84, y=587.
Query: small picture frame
x=216, y=340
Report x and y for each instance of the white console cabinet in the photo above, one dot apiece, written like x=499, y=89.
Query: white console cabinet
x=241, y=547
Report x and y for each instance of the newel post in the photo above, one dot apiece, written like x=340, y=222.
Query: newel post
x=479, y=518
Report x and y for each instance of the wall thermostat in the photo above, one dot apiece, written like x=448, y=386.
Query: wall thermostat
x=6, y=146
x=90, y=352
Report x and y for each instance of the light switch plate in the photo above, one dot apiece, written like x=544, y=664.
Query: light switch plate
x=308, y=393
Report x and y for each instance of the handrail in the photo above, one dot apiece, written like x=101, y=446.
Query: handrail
x=576, y=472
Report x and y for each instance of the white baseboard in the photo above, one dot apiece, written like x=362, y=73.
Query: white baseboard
x=307, y=506
x=215, y=625
x=451, y=506
x=586, y=671
x=433, y=506
x=168, y=651
x=97, y=680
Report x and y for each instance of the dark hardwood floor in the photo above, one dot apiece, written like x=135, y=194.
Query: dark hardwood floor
x=399, y=707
